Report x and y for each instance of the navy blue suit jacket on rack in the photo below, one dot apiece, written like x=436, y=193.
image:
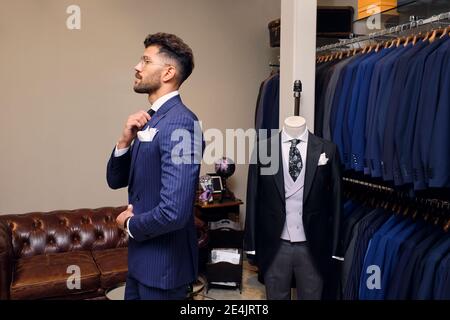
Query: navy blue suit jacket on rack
x=409, y=282
x=441, y=287
x=393, y=246
x=371, y=254
x=371, y=108
x=378, y=117
x=439, y=156
x=389, y=112
x=358, y=143
x=403, y=259
x=356, y=91
x=368, y=228
x=383, y=113
x=268, y=110
x=163, y=252
x=404, y=133
x=428, y=103
x=340, y=106
x=431, y=263
x=388, y=151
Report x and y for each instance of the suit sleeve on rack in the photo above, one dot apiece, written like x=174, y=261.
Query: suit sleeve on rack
x=338, y=250
x=251, y=208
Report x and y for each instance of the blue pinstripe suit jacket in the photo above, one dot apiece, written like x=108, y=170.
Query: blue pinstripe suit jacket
x=163, y=252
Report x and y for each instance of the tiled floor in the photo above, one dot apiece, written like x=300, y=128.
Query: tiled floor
x=252, y=289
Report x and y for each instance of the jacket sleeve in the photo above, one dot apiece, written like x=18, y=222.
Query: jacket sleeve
x=336, y=167
x=118, y=170
x=251, y=205
x=180, y=168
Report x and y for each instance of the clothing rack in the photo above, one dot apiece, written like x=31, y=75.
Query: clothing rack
x=384, y=227
x=386, y=32
x=276, y=63
x=402, y=202
x=378, y=187
x=368, y=184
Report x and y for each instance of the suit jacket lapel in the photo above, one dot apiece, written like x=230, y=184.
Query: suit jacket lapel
x=136, y=145
x=152, y=123
x=314, y=151
x=279, y=176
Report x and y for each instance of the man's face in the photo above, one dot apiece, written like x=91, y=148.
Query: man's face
x=149, y=71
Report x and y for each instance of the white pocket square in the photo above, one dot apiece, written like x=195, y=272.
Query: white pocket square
x=147, y=135
x=323, y=160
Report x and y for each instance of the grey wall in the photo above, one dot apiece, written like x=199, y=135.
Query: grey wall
x=66, y=94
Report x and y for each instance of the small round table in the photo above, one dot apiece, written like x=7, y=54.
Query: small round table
x=116, y=293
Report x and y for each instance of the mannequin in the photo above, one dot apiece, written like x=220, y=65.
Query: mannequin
x=294, y=126
x=293, y=217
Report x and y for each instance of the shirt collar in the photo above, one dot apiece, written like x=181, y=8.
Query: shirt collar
x=161, y=100
x=285, y=137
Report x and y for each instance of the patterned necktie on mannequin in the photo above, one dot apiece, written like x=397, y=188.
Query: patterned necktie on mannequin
x=295, y=160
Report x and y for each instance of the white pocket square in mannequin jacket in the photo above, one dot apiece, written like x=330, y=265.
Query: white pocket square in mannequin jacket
x=323, y=160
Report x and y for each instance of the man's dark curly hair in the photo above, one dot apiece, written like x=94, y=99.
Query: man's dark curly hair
x=174, y=48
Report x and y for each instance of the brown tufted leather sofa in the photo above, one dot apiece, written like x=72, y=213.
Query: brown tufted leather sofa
x=37, y=250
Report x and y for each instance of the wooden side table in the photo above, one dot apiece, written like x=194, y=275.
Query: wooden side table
x=222, y=272
x=214, y=211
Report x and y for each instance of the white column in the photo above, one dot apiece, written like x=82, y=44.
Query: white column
x=297, y=57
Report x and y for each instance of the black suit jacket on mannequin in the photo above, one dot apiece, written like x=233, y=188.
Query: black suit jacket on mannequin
x=322, y=206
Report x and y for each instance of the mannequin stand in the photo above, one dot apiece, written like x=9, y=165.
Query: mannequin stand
x=297, y=94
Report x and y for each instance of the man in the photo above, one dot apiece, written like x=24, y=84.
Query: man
x=161, y=173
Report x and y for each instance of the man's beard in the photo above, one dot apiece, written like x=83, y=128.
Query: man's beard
x=148, y=87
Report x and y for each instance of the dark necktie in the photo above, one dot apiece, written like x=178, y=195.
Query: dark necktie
x=295, y=160
x=151, y=112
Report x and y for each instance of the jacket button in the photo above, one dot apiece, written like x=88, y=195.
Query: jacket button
x=137, y=198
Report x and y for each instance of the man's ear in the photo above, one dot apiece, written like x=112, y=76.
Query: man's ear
x=169, y=74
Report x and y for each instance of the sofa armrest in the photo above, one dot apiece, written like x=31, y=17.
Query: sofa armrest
x=6, y=260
